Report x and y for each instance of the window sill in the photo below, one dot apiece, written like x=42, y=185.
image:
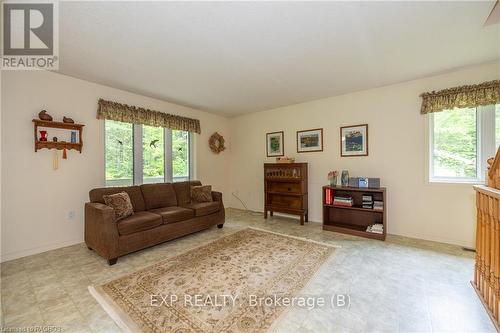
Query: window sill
x=443, y=181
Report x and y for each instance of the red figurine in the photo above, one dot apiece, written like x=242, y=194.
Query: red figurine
x=43, y=136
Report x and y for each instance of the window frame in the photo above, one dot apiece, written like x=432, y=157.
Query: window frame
x=485, y=147
x=137, y=151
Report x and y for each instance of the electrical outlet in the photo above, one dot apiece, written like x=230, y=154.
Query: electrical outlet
x=71, y=215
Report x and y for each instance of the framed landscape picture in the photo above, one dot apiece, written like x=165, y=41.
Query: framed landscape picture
x=354, y=140
x=310, y=140
x=274, y=144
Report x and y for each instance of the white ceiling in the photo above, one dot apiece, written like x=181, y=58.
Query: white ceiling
x=238, y=57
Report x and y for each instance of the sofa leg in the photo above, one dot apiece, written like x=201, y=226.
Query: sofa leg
x=113, y=261
x=220, y=225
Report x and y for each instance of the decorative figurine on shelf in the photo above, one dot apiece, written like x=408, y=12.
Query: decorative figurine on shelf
x=68, y=120
x=43, y=136
x=43, y=115
x=285, y=159
x=332, y=177
x=73, y=137
x=54, y=139
x=345, y=178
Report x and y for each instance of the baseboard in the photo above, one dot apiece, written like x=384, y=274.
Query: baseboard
x=36, y=250
x=443, y=240
x=414, y=235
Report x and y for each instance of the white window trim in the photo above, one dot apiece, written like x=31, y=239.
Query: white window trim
x=485, y=127
x=138, y=154
x=191, y=139
x=167, y=134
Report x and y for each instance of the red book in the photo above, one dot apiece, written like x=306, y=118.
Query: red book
x=329, y=194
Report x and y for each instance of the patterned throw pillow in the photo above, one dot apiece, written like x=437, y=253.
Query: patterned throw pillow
x=201, y=193
x=121, y=203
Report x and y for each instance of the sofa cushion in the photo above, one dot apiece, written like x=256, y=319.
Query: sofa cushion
x=174, y=214
x=183, y=191
x=201, y=193
x=134, y=192
x=140, y=221
x=121, y=204
x=204, y=208
x=159, y=195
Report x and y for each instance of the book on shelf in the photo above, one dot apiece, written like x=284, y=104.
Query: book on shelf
x=367, y=201
x=329, y=196
x=343, y=201
x=378, y=205
x=367, y=198
x=377, y=228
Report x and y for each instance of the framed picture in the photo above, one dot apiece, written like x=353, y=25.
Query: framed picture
x=310, y=140
x=354, y=140
x=274, y=144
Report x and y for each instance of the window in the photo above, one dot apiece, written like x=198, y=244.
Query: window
x=153, y=155
x=119, y=153
x=140, y=154
x=461, y=140
x=180, y=155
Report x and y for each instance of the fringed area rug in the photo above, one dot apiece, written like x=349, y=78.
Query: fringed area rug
x=228, y=285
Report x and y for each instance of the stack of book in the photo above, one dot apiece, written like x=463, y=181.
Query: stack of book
x=367, y=201
x=343, y=201
x=376, y=228
x=378, y=205
x=329, y=196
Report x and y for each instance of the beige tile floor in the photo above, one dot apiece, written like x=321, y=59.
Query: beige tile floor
x=401, y=285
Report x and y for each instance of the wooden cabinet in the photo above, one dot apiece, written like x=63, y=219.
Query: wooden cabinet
x=355, y=219
x=285, y=189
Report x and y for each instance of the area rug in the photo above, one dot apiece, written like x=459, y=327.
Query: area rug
x=233, y=284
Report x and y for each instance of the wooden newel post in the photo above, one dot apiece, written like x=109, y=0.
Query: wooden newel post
x=487, y=266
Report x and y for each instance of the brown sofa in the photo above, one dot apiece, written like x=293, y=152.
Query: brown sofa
x=161, y=212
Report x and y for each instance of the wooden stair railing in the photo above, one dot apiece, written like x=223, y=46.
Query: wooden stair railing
x=494, y=171
x=487, y=267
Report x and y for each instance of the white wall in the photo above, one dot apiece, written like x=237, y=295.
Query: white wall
x=398, y=154
x=35, y=198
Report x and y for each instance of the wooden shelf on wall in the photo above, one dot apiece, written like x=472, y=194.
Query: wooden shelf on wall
x=57, y=124
x=60, y=145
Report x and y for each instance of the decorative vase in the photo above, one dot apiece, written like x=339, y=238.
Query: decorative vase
x=43, y=135
x=333, y=181
x=345, y=178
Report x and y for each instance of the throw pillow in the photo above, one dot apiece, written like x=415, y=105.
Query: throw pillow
x=121, y=203
x=201, y=193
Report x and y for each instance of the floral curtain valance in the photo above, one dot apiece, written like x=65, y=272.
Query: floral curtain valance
x=486, y=93
x=132, y=114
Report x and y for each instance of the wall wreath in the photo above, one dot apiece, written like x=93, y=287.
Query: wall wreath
x=216, y=143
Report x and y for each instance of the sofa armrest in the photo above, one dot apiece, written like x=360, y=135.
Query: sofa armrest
x=216, y=196
x=101, y=232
